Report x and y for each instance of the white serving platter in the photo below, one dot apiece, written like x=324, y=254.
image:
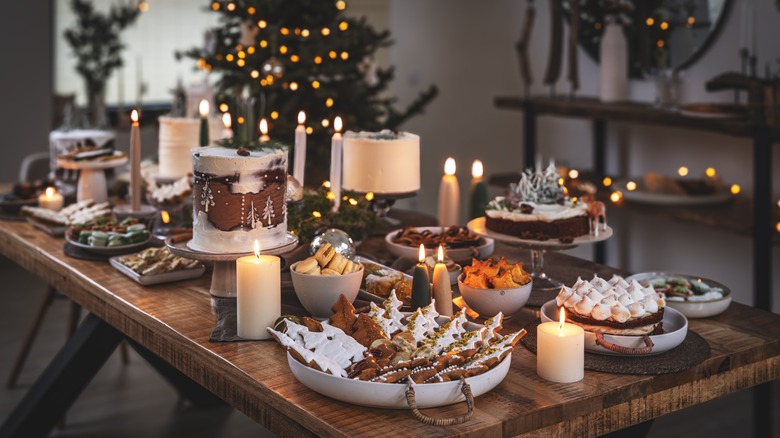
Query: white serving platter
x=458, y=255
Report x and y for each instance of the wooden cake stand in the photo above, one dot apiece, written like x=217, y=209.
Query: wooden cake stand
x=223, y=278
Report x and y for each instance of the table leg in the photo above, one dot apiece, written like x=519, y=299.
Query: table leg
x=63, y=380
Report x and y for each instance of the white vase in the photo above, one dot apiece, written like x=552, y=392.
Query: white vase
x=614, y=64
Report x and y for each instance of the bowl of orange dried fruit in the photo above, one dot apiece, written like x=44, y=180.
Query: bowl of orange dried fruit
x=493, y=286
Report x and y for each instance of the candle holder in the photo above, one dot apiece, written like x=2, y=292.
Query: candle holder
x=223, y=278
x=544, y=287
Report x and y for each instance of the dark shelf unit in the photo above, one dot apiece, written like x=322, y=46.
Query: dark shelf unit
x=758, y=223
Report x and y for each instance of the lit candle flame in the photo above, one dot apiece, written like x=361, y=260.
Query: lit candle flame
x=441, y=254
x=422, y=253
x=301, y=118
x=165, y=216
x=134, y=116
x=227, y=121
x=449, y=166
x=257, y=248
x=263, y=126
x=337, y=124
x=682, y=171
x=574, y=173
x=203, y=108
x=50, y=192
x=476, y=169
x=561, y=319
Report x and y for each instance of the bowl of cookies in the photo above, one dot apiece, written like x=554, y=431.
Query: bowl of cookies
x=491, y=286
x=319, y=280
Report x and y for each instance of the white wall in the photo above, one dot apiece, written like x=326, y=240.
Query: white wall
x=466, y=48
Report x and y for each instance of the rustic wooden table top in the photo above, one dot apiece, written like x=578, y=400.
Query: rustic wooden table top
x=174, y=321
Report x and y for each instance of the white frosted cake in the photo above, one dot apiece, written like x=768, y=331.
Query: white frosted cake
x=381, y=162
x=238, y=199
x=178, y=135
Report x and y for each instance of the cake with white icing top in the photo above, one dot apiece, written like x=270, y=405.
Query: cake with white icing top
x=238, y=198
x=381, y=162
x=537, y=208
x=177, y=137
x=613, y=306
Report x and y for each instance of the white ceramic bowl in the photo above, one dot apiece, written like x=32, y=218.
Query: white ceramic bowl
x=675, y=326
x=488, y=302
x=318, y=293
x=691, y=309
x=485, y=247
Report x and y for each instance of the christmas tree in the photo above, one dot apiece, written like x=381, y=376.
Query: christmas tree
x=294, y=55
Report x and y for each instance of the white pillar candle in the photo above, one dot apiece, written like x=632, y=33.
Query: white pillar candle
x=336, y=145
x=449, y=196
x=227, y=121
x=560, y=351
x=258, y=294
x=135, y=162
x=300, y=148
x=442, y=289
x=264, y=131
x=50, y=199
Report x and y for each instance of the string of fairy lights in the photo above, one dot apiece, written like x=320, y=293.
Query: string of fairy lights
x=267, y=75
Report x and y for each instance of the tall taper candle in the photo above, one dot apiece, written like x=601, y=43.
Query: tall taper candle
x=135, y=162
x=203, y=108
x=264, y=131
x=442, y=288
x=449, y=196
x=300, y=148
x=421, y=283
x=336, y=144
x=227, y=121
x=478, y=197
x=258, y=294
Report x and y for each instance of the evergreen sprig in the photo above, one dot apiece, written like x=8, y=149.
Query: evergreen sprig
x=314, y=213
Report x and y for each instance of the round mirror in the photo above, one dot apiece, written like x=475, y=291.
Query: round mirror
x=663, y=34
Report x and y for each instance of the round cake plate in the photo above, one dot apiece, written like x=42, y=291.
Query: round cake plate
x=92, y=178
x=223, y=277
x=675, y=326
x=543, y=283
x=477, y=226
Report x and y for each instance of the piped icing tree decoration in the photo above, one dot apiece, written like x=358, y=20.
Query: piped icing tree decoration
x=97, y=48
x=295, y=55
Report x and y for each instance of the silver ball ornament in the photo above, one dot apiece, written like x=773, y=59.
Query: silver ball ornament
x=340, y=241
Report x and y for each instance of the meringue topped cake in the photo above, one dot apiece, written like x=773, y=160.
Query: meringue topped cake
x=613, y=306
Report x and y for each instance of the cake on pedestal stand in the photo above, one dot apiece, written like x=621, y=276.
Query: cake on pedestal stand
x=545, y=288
x=223, y=278
x=92, y=178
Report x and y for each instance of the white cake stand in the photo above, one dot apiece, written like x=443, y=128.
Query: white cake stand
x=92, y=178
x=223, y=278
x=542, y=281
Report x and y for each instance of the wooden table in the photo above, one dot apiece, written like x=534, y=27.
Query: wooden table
x=174, y=322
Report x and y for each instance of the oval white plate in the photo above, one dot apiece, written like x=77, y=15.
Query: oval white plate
x=456, y=254
x=393, y=395
x=691, y=309
x=675, y=329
